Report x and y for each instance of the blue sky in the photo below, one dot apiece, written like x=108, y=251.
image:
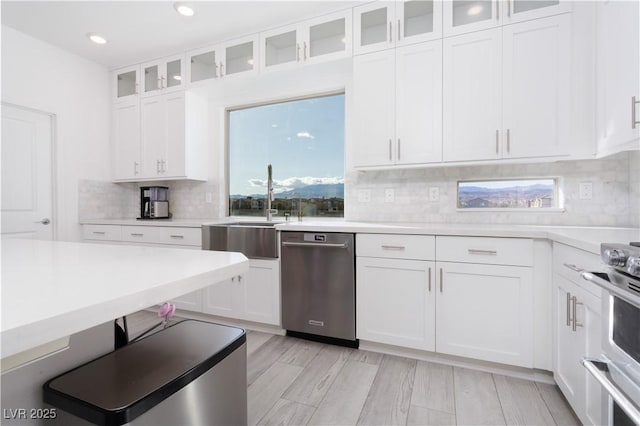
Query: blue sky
x=303, y=140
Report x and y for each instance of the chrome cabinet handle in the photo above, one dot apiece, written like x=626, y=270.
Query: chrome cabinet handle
x=390, y=142
x=159, y=84
x=297, y=52
x=44, y=221
x=163, y=85
x=99, y=232
x=398, y=149
x=600, y=371
x=508, y=141
x=481, y=251
x=429, y=280
x=440, y=280
x=572, y=267
x=137, y=234
x=215, y=69
x=568, y=309
x=135, y=167
x=390, y=33
x=181, y=237
x=321, y=245
x=387, y=247
x=497, y=140
x=221, y=69
x=576, y=324
x=633, y=112
x=304, y=50
x=399, y=30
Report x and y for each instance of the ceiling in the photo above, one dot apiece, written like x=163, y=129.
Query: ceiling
x=139, y=31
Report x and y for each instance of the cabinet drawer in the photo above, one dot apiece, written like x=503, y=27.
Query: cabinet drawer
x=568, y=261
x=177, y=236
x=394, y=246
x=137, y=234
x=102, y=232
x=496, y=251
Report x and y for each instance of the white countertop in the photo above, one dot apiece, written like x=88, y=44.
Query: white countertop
x=52, y=289
x=582, y=237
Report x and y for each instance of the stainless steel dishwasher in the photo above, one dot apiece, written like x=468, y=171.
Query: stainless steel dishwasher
x=318, y=286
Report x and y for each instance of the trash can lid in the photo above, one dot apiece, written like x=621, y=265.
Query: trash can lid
x=120, y=386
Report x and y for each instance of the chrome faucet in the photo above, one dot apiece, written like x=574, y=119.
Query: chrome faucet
x=270, y=211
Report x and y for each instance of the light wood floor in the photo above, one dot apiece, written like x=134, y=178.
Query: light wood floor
x=297, y=382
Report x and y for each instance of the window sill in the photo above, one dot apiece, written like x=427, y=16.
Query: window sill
x=514, y=210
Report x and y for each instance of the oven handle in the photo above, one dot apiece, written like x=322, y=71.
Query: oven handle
x=608, y=287
x=600, y=371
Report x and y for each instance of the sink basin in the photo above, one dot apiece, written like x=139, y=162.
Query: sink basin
x=256, y=240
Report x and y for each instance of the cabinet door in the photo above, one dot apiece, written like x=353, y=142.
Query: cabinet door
x=280, y=48
x=126, y=140
x=536, y=88
x=202, y=65
x=419, y=103
x=524, y=10
x=222, y=298
x=153, y=119
x=463, y=16
x=396, y=302
x=173, y=164
x=328, y=37
x=261, y=287
x=373, y=27
x=126, y=82
x=472, y=84
x=163, y=76
x=374, y=109
x=418, y=21
x=152, y=78
x=485, y=312
x=238, y=57
x=618, y=62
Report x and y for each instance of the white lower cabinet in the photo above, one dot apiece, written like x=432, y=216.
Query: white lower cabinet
x=485, y=312
x=476, y=310
x=396, y=302
x=254, y=296
x=577, y=323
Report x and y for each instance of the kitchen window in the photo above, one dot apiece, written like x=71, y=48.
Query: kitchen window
x=521, y=194
x=303, y=140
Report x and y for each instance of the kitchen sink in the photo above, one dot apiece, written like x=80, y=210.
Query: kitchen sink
x=256, y=240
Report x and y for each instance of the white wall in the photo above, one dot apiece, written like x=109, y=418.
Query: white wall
x=41, y=76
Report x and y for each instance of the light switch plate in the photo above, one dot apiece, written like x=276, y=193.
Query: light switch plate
x=585, y=190
x=364, y=195
x=434, y=193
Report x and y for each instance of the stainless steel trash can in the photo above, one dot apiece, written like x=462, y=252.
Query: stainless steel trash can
x=191, y=373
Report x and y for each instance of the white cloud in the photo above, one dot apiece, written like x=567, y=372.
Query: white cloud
x=305, y=135
x=295, y=182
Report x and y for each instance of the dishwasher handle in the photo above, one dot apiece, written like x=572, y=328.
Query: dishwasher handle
x=326, y=245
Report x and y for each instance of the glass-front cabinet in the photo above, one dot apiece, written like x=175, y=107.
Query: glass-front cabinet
x=125, y=83
x=384, y=25
x=162, y=76
x=464, y=16
x=233, y=57
x=321, y=39
x=524, y=10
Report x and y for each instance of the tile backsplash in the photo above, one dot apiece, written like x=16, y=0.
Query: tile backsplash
x=615, y=202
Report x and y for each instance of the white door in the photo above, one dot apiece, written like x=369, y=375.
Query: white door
x=525, y=10
x=126, y=140
x=153, y=125
x=261, y=287
x=27, y=189
x=536, y=88
x=472, y=101
x=373, y=27
x=419, y=103
x=396, y=302
x=461, y=16
x=222, y=298
x=374, y=109
x=418, y=20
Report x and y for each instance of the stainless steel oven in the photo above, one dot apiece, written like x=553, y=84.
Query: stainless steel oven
x=618, y=370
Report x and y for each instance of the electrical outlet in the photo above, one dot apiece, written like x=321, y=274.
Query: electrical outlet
x=208, y=197
x=585, y=190
x=364, y=195
x=389, y=195
x=434, y=193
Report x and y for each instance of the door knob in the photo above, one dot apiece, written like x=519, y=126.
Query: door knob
x=44, y=221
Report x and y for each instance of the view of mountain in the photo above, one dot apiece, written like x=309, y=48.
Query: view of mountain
x=334, y=190
x=522, y=196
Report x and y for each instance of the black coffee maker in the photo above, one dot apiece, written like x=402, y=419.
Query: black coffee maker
x=154, y=202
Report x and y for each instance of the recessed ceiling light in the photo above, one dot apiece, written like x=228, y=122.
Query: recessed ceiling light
x=183, y=9
x=98, y=39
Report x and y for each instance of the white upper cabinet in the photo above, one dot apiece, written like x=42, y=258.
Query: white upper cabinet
x=397, y=106
x=125, y=135
x=524, y=10
x=521, y=109
x=472, y=81
x=618, y=84
x=321, y=39
x=232, y=58
x=126, y=83
x=163, y=76
x=384, y=25
x=536, y=88
x=463, y=16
